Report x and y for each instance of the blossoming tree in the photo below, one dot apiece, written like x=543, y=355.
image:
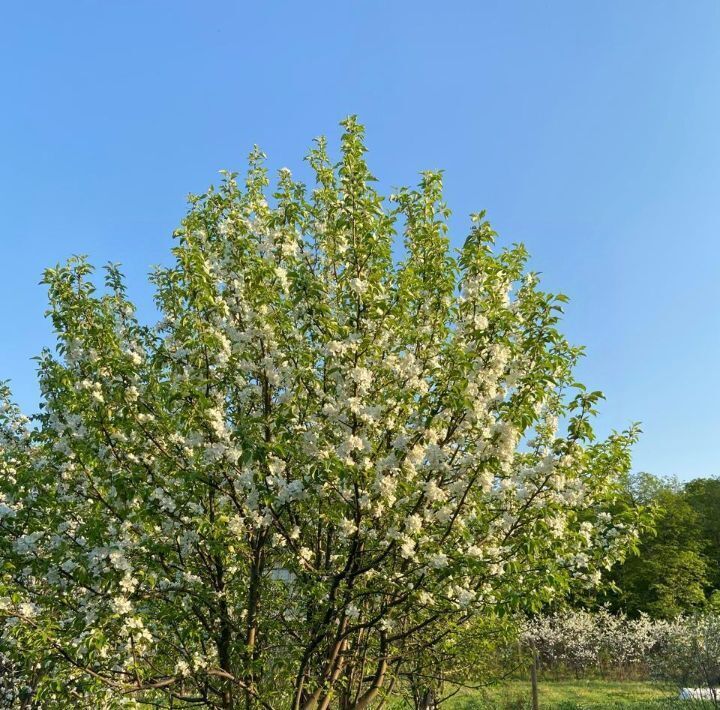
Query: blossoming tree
x=323, y=452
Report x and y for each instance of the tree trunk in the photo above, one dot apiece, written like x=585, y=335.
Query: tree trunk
x=428, y=701
x=369, y=696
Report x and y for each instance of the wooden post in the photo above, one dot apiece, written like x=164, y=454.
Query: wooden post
x=533, y=679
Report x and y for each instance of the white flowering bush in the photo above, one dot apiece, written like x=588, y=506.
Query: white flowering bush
x=683, y=652
x=329, y=445
x=689, y=656
x=595, y=642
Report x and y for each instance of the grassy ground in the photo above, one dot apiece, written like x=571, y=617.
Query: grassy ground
x=572, y=695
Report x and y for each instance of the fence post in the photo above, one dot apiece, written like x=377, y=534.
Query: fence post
x=533, y=679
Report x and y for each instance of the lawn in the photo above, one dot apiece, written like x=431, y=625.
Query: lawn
x=571, y=695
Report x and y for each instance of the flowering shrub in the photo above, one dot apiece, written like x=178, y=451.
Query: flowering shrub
x=587, y=642
x=317, y=456
x=684, y=651
x=689, y=655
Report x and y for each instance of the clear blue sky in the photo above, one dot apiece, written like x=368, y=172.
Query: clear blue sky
x=589, y=130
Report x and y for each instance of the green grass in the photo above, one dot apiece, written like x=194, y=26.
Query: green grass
x=572, y=695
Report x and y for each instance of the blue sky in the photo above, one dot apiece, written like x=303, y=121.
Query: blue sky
x=588, y=130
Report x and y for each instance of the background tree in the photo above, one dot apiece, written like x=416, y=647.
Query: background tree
x=481, y=651
x=670, y=574
x=318, y=456
x=703, y=494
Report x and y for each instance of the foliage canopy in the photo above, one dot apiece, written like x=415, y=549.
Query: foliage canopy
x=320, y=460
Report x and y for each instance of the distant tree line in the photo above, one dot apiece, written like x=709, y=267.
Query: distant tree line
x=677, y=567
